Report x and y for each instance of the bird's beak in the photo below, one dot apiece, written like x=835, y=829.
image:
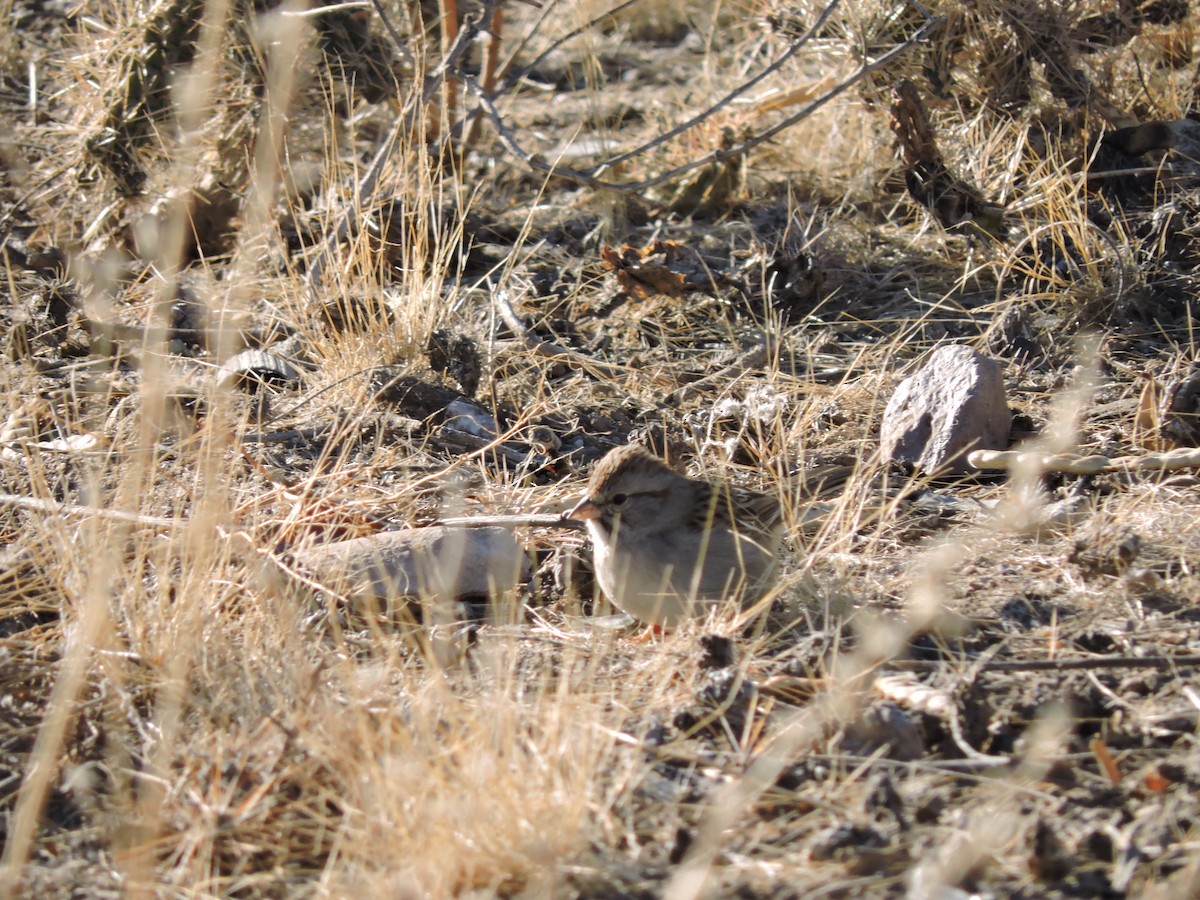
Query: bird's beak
x=585, y=511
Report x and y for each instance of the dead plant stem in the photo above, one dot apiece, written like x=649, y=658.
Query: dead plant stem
x=590, y=176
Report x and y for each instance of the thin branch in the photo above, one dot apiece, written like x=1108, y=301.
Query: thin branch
x=397, y=41
x=549, y=349
x=1061, y=665
x=322, y=10
x=404, y=121
x=71, y=509
x=588, y=176
x=513, y=77
x=796, y=46
x=514, y=521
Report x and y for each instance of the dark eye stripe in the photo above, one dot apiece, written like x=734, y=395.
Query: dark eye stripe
x=609, y=511
x=607, y=520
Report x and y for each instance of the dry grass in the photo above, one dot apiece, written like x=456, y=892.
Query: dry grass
x=185, y=718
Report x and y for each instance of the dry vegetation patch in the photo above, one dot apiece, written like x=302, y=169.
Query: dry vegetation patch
x=467, y=263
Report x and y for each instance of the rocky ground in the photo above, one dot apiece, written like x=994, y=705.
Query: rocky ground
x=269, y=287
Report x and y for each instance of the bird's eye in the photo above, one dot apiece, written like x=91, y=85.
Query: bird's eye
x=619, y=499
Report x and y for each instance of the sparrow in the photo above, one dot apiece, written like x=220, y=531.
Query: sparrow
x=668, y=548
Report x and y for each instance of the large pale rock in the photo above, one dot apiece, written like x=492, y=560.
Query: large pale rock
x=954, y=404
x=439, y=562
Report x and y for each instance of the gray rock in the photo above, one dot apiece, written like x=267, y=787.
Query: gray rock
x=256, y=366
x=954, y=404
x=440, y=562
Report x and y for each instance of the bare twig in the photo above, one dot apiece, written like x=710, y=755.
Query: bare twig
x=467, y=32
x=794, y=47
x=589, y=176
x=1085, y=464
x=514, y=521
x=291, y=434
x=549, y=349
x=490, y=69
x=397, y=41
x=512, y=78
x=741, y=89
x=323, y=10
x=449, y=14
x=71, y=509
x=753, y=358
x=1061, y=665
x=964, y=746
